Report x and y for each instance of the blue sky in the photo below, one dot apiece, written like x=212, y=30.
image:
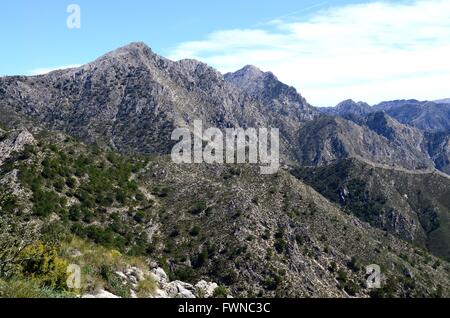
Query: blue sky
x=37, y=35
x=328, y=50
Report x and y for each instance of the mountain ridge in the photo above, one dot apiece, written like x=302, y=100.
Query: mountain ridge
x=113, y=99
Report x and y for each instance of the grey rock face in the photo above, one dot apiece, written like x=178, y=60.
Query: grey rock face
x=160, y=276
x=131, y=100
x=381, y=141
x=424, y=115
x=438, y=147
x=427, y=116
x=13, y=142
x=273, y=94
x=178, y=289
x=348, y=107
x=205, y=289
x=443, y=101
x=415, y=131
x=101, y=294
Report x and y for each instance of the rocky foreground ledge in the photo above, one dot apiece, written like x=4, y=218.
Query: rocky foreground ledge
x=165, y=288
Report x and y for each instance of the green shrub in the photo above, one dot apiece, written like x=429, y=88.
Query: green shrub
x=88, y=216
x=161, y=191
x=58, y=184
x=198, y=208
x=333, y=267
x=201, y=259
x=351, y=288
x=43, y=263
x=121, y=197
x=8, y=203
x=140, y=217
x=195, y=231
x=45, y=203
x=221, y=292
x=266, y=235
x=75, y=213
x=114, y=283
x=280, y=245
x=71, y=182
x=29, y=288
x=354, y=264
x=100, y=235
x=186, y=274
x=273, y=282
x=342, y=276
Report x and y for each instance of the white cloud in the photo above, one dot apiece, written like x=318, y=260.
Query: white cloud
x=373, y=51
x=45, y=70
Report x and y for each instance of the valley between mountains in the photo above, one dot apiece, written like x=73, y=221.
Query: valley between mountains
x=86, y=178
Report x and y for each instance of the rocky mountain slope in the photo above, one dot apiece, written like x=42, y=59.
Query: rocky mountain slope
x=414, y=206
x=427, y=116
x=438, y=147
x=131, y=90
x=419, y=128
x=443, y=101
x=424, y=115
x=254, y=235
x=379, y=139
x=348, y=107
x=114, y=99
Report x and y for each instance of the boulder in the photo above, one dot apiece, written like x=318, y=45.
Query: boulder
x=160, y=276
x=205, y=289
x=178, y=289
x=100, y=294
x=159, y=293
x=134, y=274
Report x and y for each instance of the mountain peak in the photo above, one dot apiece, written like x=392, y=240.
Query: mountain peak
x=349, y=106
x=247, y=73
x=133, y=53
x=251, y=77
x=251, y=69
x=134, y=49
x=347, y=101
x=266, y=86
x=351, y=102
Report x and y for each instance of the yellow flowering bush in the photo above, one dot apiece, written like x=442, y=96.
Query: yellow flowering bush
x=43, y=263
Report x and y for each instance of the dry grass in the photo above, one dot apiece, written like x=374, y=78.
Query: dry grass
x=95, y=259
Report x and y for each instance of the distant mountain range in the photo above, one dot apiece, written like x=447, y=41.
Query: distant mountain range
x=427, y=116
x=443, y=101
x=360, y=184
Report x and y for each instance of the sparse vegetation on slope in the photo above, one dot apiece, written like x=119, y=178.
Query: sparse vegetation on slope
x=255, y=235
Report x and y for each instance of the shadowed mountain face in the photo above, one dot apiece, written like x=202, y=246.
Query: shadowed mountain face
x=443, y=101
x=423, y=127
x=426, y=116
x=414, y=206
x=377, y=139
x=438, y=147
